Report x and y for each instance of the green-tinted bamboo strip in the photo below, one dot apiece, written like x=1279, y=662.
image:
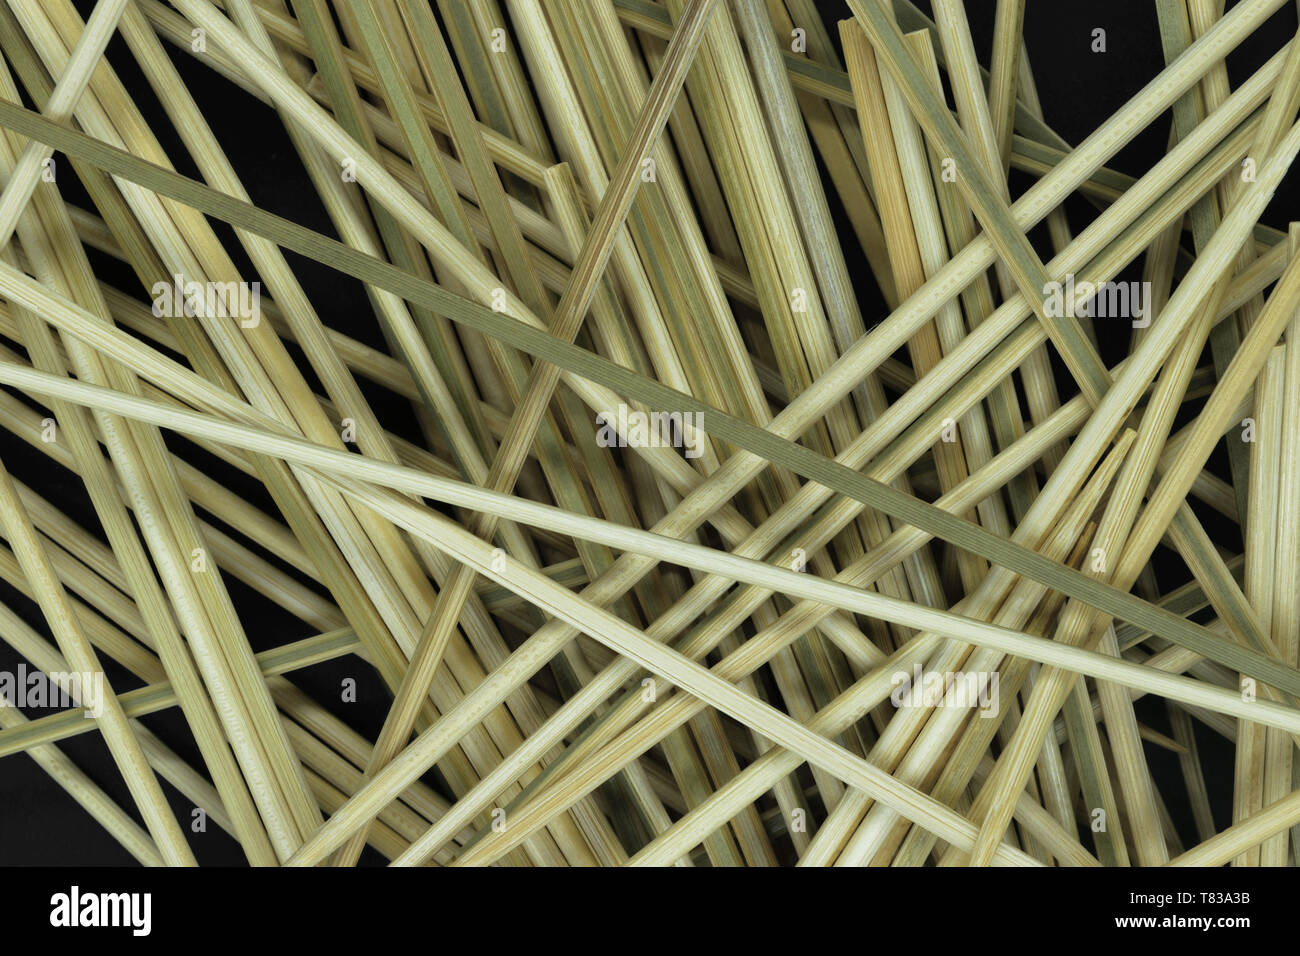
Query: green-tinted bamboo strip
x=561, y=191
x=510, y=77
x=387, y=308
x=732, y=123
x=481, y=359
x=1184, y=600
x=108, y=157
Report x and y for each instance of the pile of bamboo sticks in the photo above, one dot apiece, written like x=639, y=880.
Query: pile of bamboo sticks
x=677, y=525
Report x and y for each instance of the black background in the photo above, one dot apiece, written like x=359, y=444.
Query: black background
x=41, y=824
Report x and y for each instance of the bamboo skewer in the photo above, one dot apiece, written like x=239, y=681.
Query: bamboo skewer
x=608, y=642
